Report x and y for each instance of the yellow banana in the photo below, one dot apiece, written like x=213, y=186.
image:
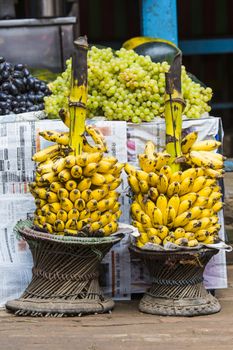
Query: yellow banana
x=79, y=204
x=86, y=158
x=95, y=226
x=153, y=193
x=142, y=175
x=73, y=214
x=205, y=223
x=116, y=169
x=210, y=183
x=84, y=184
x=214, y=174
x=182, y=219
x=217, y=207
x=70, y=232
x=86, y=195
x=213, y=198
x=214, y=229
x=98, y=179
x=162, y=184
x=163, y=231
x=201, y=201
x=55, y=186
x=91, y=149
x=200, y=160
x=106, y=204
x=38, y=212
x=205, y=192
x=191, y=172
x=66, y=204
x=158, y=217
x=109, y=178
x=90, y=169
x=45, y=208
x=41, y=219
x=206, y=145
x=149, y=208
x=54, y=207
x=193, y=226
x=41, y=193
x=74, y=195
x=48, y=227
x=207, y=213
x=116, y=207
x=134, y=183
x=71, y=224
x=188, y=141
x=83, y=223
x=92, y=205
x=211, y=240
x=116, y=183
x=179, y=233
x=104, y=166
x=152, y=179
x=70, y=161
x=192, y=243
x=62, y=215
x=110, y=228
x=174, y=201
x=184, y=206
x=150, y=231
x=130, y=169
x=150, y=149
x=196, y=212
x=155, y=240
x=176, y=176
x=161, y=203
x=64, y=175
x=186, y=186
x=95, y=215
x=198, y=183
x=216, y=189
x=84, y=214
x=46, y=168
x=59, y=165
x=166, y=170
x=117, y=215
x=143, y=185
x=173, y=188
x=98, y=194
x=51, y=197
x=45, y=153
x=105, y=218
x=146, y=164
x=76, y=171
x=62, y=193
x=50, y=217
x=97, y=136
x=161, y=160
x=183, y=242
x=48, y=178
x=170, y=216
x=201, y=235
x=59, y=225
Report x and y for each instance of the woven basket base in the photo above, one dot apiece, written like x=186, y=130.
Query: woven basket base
x=56, y=308
x=181, y=307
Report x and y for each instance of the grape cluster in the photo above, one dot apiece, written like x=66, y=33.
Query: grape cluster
x=123, y=85
x=19, y=91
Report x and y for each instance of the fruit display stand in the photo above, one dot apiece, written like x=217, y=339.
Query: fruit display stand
x=65, y=275
x=77, y=211
x=175, y=201
x=177, y=282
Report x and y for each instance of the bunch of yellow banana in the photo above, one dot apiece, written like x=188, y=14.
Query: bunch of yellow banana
x=203, y=154
x=76, y=195
x=179, y=207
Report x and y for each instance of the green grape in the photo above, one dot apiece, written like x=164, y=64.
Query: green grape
x=123, y=85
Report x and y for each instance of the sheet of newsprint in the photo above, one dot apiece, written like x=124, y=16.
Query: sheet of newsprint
x=18, y=142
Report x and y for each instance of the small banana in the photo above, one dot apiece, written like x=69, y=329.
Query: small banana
x=70, y=185
x=143, y=185
x=142, y=175
x=182, y=219
x=62, y=193
x=41, y=193
x=188, y=141
x=205, y=192
x=62, y=215
x=45, y=153
x=104, y=166
x=167, y=171
x=206, y=145
x=155, y=240
x=73, y=214
x=86, y=158
x=173, y=188
x=64, y=175
x=217, y=207
x=201, y=235
x=183, y=242
x=146, y=164
x=90, y=169
x=192, y=243
x=191, y=195
x=48, y=227
x=213, y=198
x=98, y=179
x=66, y=204
x=179, y=233
x=86, y=195
x=51, y=197
x=92, y=205
x=95, y=215
x=161, y=203
x=184, y=206
x=176, y=176
x=45, y=208
x=161, y=160
x=59, y=165
x=116, y=183
x=195, y=212
x=150, y=149
x=153, y=194
x=198, y=183
x=191, y=172
x=79, y=204
x=186, y=186
x=134, y=183
x=70, y=161
x=55, y=186
x=59, y=225
x=84, y=214
x=162, y=184
x=174, y=201
x=84, y=184
x=170, y=216
x=157, y=217
x=50, y=217
x=130, y=169
x=139, y=225
x=76, y=171
x=54, y=207
x=149, y=208
x=163, y=231
x=74, y=195
x=152, y=179
x=98, y=194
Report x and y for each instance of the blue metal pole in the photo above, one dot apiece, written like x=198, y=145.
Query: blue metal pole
x=159, y=19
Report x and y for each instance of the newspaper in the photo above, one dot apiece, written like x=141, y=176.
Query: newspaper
x=18, y=141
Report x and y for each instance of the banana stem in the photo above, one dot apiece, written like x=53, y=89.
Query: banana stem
x=78, y=95
x=174, y=105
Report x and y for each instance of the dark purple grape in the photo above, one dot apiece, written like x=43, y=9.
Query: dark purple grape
x=7, y=111
x=31, y=98
x=14, y=104
x=31, y=109
x=19, y=84
x=22, y=104
x=2, y=59
x=18, y=98
x=29, y=104
x=25, y=81
x=16, y=110
x=30, y=82
x=41, y=106
x=13, y=89
x=2, y=66
x=3, y=104
x=3, y=111
x=6, y=86
x=37, y=87
x=19, y=66
x=0, y=111
x=3, y=96
x=17, y=74
x=24, y=97
x=22, y=109
x=26, y=72
x=5, y=75
x=9, y=67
